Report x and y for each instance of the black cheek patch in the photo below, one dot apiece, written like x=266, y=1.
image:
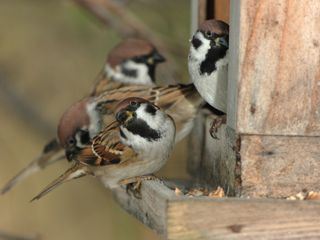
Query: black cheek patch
x=140, y=127
x=129, y=72
x=151, y=109
x=84, y=137
x=196, y=42
x=212, y=57
x=122, y=134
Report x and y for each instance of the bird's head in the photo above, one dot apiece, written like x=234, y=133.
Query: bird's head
x=133, y=61
x=75, y=127
x=212, y=37
x=143, y=123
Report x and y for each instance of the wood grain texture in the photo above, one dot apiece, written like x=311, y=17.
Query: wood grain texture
x=151, y=208
x=219, y=163
x=196, y=145
x=279, y=61
x=237, y=219
x=191, y=218
x=279, y=166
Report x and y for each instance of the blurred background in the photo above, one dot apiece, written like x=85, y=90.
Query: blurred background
x=50, y=53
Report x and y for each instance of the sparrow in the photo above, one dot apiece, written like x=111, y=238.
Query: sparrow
x=87, y=117
x=208, y=63
x=137, y=144
x=133, y=61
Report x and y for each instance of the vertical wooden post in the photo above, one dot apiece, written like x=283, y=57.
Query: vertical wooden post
x=208, y=159
x=271, y=144
x=275, y=88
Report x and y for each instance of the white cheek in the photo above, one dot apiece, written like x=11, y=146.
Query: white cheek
x=154, y=121
x=95, y=122
x=141, y=69
x=199, y=53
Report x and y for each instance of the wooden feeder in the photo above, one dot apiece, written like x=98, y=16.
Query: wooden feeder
x=270, y=147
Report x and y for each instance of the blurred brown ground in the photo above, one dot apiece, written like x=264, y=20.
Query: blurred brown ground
x=50, y=51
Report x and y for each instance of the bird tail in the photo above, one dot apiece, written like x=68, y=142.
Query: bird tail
x=52, y=152
x=76, y=171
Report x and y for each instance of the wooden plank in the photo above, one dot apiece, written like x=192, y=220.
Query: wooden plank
x=238, y=219
x=279, y=166
x=202, y=11
x=196, y=145
x=279, y=62
x=219, y=163
x=221, y=10
x=151, y=208
x=182, y=217
x=233, y=67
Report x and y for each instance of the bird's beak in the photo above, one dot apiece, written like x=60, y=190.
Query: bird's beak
x=124, y=115
x=76, y=171
x=156, y=58
x=222, y=41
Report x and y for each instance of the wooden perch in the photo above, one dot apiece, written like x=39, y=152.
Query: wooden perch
x=182, y=217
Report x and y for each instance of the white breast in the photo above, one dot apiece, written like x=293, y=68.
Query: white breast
x=213, y=87
x=153, y=156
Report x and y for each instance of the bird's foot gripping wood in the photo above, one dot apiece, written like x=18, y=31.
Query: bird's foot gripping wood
x=216, y=124
x=133, y=185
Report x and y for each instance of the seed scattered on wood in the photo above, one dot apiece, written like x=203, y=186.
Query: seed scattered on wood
x=218, y=193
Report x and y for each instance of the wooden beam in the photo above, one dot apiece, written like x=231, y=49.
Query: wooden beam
x=195, y=219
x=151, y=209
x=279, y=67
x=279, y=166
x=221, y=10
x=274, y=95
x=190, y=218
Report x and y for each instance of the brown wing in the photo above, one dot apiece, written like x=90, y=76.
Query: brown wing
x=181, y=102
x=106, y=148
x=163, y=97
x=103, y=83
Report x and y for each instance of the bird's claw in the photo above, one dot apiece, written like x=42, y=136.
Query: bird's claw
x=216, y=124
x=133, y=185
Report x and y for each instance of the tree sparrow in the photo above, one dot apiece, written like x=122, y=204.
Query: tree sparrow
x=208, y=63
x=138, y=143
x=86, y=118
x=133, y=61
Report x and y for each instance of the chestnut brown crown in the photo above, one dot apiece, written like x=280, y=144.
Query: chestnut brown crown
x=129, y=49
x=73, y=119
x=215, y=26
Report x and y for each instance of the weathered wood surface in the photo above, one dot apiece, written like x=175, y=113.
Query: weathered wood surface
x=279, y=67
x=279, y=166
x=189, y=218
x=151, y=209
x=196, y=143
x=243, y=219
x=218, y=164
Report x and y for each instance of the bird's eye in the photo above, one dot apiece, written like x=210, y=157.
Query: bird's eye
x=134, y=104
x=208, y=34
x=71, y=141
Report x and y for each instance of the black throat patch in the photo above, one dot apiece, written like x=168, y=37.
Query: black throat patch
x=212, y=57
x=139, y=127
